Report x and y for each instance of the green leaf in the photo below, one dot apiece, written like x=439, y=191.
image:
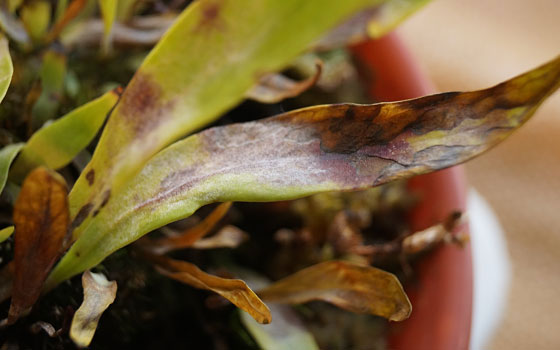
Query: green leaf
x=5, y=233
x=315, y=149
x=391, y=15
x=36, y=17
x=53, y=74
x=7, y=155
x=373, y=22
x=203, y=66
x=6, y=67
x=109, y=12
x=285, y=332
x=52, y=145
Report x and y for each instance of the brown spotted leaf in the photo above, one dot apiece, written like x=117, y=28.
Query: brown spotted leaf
x=307, y=151
x=273, y=88
x=203, y=66
x=41, y=221
x=234, y=290
x=99, y=293
x=356, y=288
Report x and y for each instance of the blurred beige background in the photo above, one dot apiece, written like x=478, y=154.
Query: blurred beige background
x=475, y=44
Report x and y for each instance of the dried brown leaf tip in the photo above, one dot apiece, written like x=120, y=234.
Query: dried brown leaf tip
x=189, y=236
x=273, y=88
x=356, y=288
x=227, y=237
x=234, y=290
x=99, y=293
x=41, y=220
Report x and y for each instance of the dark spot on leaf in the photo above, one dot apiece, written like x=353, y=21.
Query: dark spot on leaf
x=209, y=16
x=106, y=196
x=90, y=177
x=82, y=215
x=141, y=104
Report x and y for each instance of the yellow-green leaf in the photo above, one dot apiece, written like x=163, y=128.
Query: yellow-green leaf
x=373, y=22
x=7, y=155
x=285, y=332
x=6, y=67
x=203, y=66
x=315, y=149
x=36, y=17
x=99, y=293
x=5, y=233
x=356, y=288
x=391, y=14
x=52, y=145
x=109, y=12
x=53, y=73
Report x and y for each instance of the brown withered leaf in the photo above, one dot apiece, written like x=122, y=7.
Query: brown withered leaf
x=426, y=239
x=41, y=220
x=228, y=237
x=234, y=290
x=99, y=293
x=43, y=326
x=73, y=10
x=188, y=237
x=273, y=88
x=356, y=288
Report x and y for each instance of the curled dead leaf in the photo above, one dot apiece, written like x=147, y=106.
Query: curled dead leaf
x=190, y=236
x=234, y=290
x=273, y=88
x=41, y=221
x=228, y=237
x=99, y=293
x=426, y=239
x=356, y=288
x=46, y=327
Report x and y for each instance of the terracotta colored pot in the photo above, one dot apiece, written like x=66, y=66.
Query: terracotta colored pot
x=442, y=297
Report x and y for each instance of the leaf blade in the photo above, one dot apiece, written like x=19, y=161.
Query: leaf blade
x=50, y=145
x=99, y=293
x=5, y=233
x=7, y=156
x=234, y=290
x=174, y=93
x=356, y=288
x=6, y=67
x=316, y=149
x=41, y=221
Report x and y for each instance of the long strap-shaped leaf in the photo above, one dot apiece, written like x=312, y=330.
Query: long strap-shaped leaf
x=323, y=148
x=6, y=67
x=213, y=54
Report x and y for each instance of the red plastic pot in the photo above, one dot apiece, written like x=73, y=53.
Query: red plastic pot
x=442, y=297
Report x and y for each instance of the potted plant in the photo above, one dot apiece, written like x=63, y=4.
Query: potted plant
x=147, y=174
